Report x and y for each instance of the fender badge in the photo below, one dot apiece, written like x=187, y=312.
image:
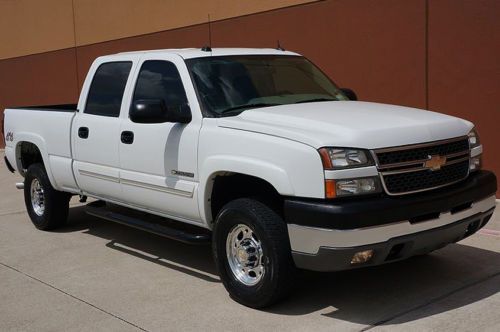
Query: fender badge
x=435, y=162
x=9, y=137
x=180, y=173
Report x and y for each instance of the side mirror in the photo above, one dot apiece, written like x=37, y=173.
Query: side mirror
x=155, y=111
x=349, y=93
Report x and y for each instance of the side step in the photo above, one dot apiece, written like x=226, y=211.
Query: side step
x=150, y=223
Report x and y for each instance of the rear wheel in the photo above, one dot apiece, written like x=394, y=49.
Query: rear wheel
x=252, y=253
x=47, y=207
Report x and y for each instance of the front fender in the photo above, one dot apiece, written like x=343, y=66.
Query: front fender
x=219, y=164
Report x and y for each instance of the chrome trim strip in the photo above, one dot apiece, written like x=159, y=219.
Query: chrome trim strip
x=145, y=209
x=419, y=145
x=167, y=190
x=422, y=161
x=99, y=176
x=417, y=169
x=157, y=188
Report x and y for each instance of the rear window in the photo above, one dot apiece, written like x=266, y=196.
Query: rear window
x=106, y=91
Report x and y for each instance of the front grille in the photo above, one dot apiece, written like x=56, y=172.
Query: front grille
x=400, y=156
x=417, y=181
x=403, y=170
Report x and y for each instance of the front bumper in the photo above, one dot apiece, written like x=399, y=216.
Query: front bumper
x=324, y=236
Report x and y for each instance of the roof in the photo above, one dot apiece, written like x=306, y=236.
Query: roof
x=188, y=53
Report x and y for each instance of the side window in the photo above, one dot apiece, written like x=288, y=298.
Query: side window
x=160, y=79
x=106, y=91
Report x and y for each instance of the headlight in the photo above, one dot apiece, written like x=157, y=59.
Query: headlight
x=340, y=158
x=350, y=187
x=474, y=138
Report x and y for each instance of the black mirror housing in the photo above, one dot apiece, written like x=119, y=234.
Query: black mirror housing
x=349, y=93
x=155, y=111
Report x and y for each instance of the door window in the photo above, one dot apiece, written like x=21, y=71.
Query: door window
x=106, y=91
x=160, y=79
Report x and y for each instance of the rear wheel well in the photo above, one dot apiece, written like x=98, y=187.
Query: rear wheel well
x=29, y=154
x=230, y=186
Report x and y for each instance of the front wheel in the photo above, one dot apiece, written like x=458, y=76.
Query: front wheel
x=47, y=207
x=252, y=253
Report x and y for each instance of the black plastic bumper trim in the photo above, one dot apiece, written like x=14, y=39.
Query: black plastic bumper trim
x=373, y=211
x=398, y=248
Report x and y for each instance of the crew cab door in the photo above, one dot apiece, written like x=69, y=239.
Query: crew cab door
x=158, y=160
x=96, y=129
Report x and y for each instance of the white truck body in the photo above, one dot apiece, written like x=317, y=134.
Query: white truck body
x=170, y=168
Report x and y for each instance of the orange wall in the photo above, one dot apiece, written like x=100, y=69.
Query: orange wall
x=439, y=54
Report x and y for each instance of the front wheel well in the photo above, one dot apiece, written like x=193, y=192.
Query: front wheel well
x=230, y=186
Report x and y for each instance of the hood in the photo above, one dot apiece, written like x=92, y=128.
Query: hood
x=349, y=124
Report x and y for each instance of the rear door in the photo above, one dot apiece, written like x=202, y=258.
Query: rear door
x=96, y=129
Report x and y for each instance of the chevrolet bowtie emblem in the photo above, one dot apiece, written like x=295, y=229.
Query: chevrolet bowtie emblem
x=435, y=162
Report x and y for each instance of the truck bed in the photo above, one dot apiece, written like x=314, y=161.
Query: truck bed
x=49, y=128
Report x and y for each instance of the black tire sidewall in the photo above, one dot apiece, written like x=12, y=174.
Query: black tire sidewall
x=258, y=295
x=55, y=212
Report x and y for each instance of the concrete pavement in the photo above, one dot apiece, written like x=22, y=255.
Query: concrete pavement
x=99, y=276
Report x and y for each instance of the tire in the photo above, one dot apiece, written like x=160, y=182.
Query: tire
x=48, y=209
x=251, y=288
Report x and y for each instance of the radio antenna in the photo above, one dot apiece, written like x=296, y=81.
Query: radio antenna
x=209, y=47
x=279, y=48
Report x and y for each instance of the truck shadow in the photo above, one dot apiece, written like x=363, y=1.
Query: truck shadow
x=370, y=296
x=404, y=291
x=193, y=260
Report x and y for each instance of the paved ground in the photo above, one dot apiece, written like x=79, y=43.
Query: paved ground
x=95, y=275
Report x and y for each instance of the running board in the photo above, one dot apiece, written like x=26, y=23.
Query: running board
x=158, y=225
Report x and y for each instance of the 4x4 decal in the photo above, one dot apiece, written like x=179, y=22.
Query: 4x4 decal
x=9, y=137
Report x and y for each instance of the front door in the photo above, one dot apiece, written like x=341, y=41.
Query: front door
x=159, y=160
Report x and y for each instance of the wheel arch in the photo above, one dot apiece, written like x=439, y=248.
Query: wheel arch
x=224, y=174
x=31, y=149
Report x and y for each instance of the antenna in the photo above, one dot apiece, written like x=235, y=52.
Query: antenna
x=209, y=47
x=279, y=48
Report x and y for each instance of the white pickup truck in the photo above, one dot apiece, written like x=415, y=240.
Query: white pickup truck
x=259, y=152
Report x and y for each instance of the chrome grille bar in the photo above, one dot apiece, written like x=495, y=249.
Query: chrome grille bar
x=402, y=170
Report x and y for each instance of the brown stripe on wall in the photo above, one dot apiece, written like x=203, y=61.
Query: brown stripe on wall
x=378, y=48
x=41, y=79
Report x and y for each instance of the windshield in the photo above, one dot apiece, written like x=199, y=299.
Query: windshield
x=229, y=85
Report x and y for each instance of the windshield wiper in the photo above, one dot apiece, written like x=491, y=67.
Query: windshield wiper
x=315, y=99
x=240, y=108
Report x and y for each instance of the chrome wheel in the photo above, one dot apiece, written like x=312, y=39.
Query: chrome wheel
x=37, y=197
x=245, y=255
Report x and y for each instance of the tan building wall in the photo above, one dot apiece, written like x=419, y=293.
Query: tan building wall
x=34, y=26
x=436, y=54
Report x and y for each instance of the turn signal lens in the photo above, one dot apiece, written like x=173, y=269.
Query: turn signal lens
x=330, y=189
x=325, y=158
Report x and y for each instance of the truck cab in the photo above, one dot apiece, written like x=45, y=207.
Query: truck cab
x=258, y=152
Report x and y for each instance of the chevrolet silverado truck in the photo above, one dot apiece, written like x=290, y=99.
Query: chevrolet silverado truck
x=258, y=152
